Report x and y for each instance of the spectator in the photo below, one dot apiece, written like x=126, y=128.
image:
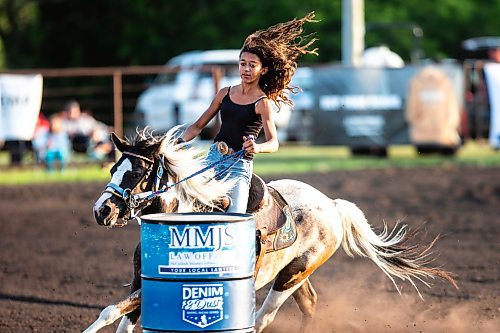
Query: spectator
x=58, y=146
x=101, y=147
x=87, y=135
x=494, y=54
x=79, y=126
x=39, y=141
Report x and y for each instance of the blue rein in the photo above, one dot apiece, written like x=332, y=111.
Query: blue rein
x=134, y=200
x=236, y=156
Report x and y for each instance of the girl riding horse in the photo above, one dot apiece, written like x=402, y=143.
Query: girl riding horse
x=267, y=63
x=323, y=225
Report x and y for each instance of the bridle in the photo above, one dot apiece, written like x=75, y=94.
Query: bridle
x=137, y=202
x=141, y=200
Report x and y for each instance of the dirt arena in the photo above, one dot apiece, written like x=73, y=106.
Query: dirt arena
x=58, y=268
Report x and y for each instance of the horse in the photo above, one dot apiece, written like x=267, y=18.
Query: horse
x=151, y=162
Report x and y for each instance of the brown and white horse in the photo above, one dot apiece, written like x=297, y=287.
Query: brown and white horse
x=323, y=225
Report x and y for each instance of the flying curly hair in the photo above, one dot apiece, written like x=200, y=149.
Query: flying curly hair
x=279, y=47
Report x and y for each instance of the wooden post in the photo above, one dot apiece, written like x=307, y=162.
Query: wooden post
x=117, y=103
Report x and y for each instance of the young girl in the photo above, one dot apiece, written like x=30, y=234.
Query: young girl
x=267, y=63
x=57, y=145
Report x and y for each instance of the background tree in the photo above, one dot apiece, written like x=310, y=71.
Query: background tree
x=69, y=33
x=18, y=36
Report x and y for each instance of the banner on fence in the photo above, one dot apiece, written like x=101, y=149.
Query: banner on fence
x=21, y=98
x=432, y=109
x=363, y=107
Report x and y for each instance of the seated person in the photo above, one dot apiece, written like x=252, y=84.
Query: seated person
x=101, y=148
x=79, y=126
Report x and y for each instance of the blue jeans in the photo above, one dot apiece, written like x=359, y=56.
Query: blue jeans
x=241, y=171
x=53, y=157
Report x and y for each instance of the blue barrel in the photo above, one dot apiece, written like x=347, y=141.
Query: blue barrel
x=197, y=272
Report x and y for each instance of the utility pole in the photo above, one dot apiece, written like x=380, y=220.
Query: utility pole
x=353, y=32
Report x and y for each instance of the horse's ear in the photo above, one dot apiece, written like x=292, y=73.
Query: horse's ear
x=157, y=148
x=153, y=150
x=120, y=144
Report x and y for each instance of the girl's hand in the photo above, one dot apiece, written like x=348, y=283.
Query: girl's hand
x=250, y=146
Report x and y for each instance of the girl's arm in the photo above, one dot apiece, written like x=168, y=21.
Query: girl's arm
x=195, y=128
x=271, y=145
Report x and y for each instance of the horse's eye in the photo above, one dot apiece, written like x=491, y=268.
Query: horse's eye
x=136, y=175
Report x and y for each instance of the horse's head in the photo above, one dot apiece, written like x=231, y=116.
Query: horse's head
x=141, y=168
x=150, y=163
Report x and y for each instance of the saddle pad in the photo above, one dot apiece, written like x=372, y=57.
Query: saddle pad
x=277, y=221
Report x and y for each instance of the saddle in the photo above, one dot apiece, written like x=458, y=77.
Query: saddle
x=275, y=227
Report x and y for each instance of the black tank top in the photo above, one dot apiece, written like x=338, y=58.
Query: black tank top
x=238, y=121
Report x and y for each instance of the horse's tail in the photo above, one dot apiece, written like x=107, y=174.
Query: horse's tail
x=389, y=250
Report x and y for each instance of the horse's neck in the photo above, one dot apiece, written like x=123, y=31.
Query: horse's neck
x=160, y=205
x=156, y=206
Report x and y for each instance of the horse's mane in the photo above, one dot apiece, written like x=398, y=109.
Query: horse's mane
x=182, y=160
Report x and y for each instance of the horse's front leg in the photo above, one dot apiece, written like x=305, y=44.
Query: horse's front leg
x=129, y=321
x=111, y=313
x=129, y=308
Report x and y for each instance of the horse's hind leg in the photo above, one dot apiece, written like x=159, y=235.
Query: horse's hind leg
x=306, y=297
x=129, y=321
x=288, y=281
x=271, y=305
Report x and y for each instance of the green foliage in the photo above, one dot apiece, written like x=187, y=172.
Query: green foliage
x=291, y=159
x=86, y=33
x=2, y=56
x=38, y=175
x=18, y=20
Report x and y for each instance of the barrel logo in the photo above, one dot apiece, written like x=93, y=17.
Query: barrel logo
x=213, y=237
x=202, y=304
x=195, y=250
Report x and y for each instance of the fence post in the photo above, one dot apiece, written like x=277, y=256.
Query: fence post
x=117, y=103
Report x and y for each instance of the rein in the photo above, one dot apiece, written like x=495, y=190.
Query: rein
x=237, y=155
x=134, y=201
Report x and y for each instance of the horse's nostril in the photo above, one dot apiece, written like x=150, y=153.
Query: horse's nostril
x=97, y=217
x=105, y=210
x=101, y=214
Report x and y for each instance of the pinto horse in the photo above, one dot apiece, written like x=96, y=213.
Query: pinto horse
x=151, y=162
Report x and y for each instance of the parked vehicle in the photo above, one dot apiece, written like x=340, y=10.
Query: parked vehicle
x=477, y=52
x=182, y=96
